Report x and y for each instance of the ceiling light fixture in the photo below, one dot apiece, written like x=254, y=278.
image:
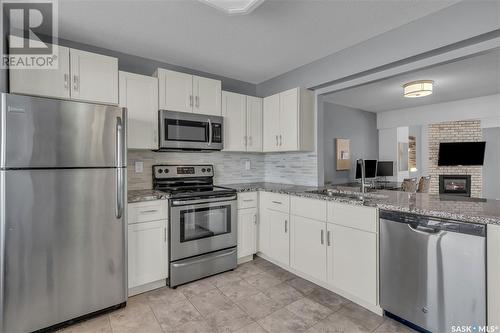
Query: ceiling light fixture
x=418, y=88
x=234, y=7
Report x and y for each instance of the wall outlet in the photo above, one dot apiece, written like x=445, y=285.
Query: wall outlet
x=247, y=165
x=139, y=167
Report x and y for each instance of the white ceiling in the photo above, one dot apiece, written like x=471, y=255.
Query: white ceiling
x=466, y=78
x=275, y=38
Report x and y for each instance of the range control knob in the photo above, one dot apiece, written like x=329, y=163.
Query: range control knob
x=203, y=169
x=160, y=170
x=208, y=170
x=167, y=171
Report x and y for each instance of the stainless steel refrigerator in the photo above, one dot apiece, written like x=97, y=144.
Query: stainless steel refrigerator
x=62, y=211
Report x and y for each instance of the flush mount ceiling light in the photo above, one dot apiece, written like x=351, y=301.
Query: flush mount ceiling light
x=418, y=88
x=234, y=7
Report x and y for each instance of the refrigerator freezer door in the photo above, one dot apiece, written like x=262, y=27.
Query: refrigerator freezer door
x=46, y=133
x=64, y=247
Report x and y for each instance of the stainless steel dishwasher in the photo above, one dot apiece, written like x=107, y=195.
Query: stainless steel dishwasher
x=432, y=271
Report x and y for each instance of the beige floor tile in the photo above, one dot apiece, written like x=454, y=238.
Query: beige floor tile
x=224, y=278
x=259, y=305
x=228, y=320
x=172, y=315
x=197, y=326
x=361, y=316
x=337, y=323
x=135, y=317
x=196, y=287
x=211, y=301
x=248, y=269
x=309, y=311
x=238, y=290
x=392, y=326
x=166, y=295
x=263, y=281
x=283, y=293
x=281, y=274
x=252, y=328
x=100, y=324
x=263, y=264
x=302, y=285
x=327, y=298
x=283, y=321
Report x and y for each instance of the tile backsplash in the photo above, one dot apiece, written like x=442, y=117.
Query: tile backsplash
x=290, y=168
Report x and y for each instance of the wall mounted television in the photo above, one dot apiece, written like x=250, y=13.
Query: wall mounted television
x=461, y=153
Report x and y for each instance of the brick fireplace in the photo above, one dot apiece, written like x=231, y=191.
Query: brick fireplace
x=455, y=131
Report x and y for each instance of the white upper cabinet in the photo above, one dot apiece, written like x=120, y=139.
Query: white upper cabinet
x=242, y=122
x=82, y=76
x=254, y=124
x=43, y=82
x=94, y=77
x=289, y=121
x=234, y=109
x=175, y=90
x=207, y=96
x=139, y=94
x=188, y=93
x=271, y=123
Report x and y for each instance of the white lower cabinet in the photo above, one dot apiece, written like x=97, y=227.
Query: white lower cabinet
x=308, y=246
x=279, y=236
x=147, y=246
x=247, y=232
x=352, y=261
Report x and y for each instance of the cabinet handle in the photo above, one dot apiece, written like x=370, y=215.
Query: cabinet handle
x=276, y=141
x=165, y=232
x=322, y=237
x=66, y=81
x=191, y=100
x=286, y=226
x=281, y=141
x=248, y=200
x=328, y=242
x=148, y=211
x=250, y=140
x=277, y=202
x=75, y=82
x=245, y=139
x=255, y=219
x=197, y=101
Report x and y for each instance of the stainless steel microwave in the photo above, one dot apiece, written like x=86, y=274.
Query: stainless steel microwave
x=189, y=131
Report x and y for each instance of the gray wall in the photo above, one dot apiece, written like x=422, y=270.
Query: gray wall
x=139, y=65
x=491, y=168
x=347, y=123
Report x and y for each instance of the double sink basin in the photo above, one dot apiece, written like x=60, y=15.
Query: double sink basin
x=361, y=197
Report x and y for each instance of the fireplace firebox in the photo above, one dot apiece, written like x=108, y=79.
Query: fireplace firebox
x=455, y=185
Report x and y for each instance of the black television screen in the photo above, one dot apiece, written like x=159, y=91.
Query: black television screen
x=461, y=153
x=385, y=169
x=370, y=169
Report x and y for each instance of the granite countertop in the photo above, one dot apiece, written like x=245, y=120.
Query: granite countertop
x=484, y=211
x=145, y=195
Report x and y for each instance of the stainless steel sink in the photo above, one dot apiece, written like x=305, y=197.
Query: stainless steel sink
x=331, y=193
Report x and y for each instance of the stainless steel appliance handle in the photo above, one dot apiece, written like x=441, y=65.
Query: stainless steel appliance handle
x=424, y=230
x=322, y=237
x=201, y=260
x=328, y=241
x=200, y=201
x=119, y=169
x=209, y=132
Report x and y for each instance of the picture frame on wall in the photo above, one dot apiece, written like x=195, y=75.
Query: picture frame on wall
x=343, y=154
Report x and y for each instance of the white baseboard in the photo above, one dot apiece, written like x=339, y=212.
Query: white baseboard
x=146, y=287
x=243, y=260
x=373, y=308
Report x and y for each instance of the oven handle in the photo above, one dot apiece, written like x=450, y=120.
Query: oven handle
x=201, y=201
x=208, y=258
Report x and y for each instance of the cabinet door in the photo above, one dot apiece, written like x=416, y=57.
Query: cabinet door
x=139, y=94
x=289, y=115
x=207, y=96
x=175, y=91
x=94, y=77
x=271, y=123
x=254, y=124
x=247, y=227
x=308, y=246
x=279, y=237
x=43, y=82
x=234, y=113
x=352, y=261
x=147, y=253
x=263, y=230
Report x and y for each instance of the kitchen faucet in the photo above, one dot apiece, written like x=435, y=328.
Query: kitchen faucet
x=361, y=163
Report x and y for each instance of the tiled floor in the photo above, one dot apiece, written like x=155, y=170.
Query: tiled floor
x=256, y=297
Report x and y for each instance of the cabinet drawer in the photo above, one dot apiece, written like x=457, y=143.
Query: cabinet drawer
x=147, y=211
x=310, y=208
x=247, y=200
x=275, y=201
x=359, y=217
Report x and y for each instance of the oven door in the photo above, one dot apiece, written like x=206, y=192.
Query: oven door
x=199, y=227
x=186, y=131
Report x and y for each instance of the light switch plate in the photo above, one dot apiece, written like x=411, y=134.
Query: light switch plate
x=247, y=165
x=139, y=167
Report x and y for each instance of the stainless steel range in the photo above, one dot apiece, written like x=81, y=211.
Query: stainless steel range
x=202, y=222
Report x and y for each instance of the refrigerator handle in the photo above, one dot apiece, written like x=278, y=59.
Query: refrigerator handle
x=119, y=169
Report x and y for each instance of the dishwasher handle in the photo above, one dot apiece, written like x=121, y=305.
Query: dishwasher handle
x=424, y=230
